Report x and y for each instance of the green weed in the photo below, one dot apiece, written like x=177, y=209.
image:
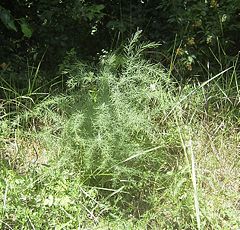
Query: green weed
x=125, y=148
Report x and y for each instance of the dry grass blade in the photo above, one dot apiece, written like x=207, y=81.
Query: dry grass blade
x=194, y=182
x=141, y=153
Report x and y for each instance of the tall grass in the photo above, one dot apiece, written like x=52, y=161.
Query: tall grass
x=20, y=91
x=125, y=148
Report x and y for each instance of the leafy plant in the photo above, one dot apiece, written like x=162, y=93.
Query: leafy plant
x=7, y=19
x=128, y=148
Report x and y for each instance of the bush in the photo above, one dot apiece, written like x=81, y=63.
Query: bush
x=121, y=149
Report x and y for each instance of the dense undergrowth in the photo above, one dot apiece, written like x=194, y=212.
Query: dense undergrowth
x=125, y=148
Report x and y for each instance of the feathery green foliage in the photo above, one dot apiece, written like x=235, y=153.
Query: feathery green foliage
x=126, y=148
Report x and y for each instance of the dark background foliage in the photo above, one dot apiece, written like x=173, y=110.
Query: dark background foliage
x=196, y=32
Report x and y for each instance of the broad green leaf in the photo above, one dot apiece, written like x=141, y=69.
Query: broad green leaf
x=7, y=19
x=25, y=28
x=95, y=11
